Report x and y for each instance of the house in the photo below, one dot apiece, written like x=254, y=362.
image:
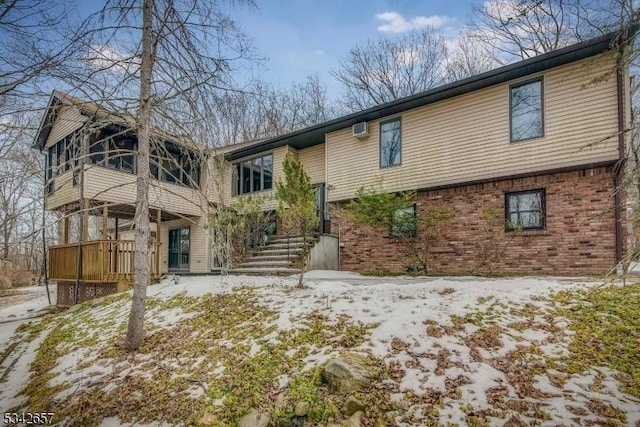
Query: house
x=541, y=140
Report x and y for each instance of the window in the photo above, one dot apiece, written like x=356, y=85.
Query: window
x=49, y=173
x=404, y=222
x=253, y=175
x=526, y=111
x=171, y=167
x=60, y=157
x=96, y=152
x=121, y=154
x=154, y=164
x=525, y=209
x=390, y=143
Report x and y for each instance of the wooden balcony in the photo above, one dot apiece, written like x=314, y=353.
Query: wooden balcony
x=106, y=267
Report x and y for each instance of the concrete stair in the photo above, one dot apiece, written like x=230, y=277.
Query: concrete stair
x=279, y=256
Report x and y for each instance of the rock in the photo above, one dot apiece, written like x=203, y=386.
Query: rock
x=350, y=372
x=291, y=422
x=353, y=405
x=354, y=420
x=208, y=419
x=254, y=418
x=302, y=408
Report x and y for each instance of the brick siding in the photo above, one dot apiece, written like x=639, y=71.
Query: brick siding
x=578, y=237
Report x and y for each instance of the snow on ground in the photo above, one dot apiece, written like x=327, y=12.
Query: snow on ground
x=403, y=305
x=19, y=303
x=465, y=364
x=17, y=306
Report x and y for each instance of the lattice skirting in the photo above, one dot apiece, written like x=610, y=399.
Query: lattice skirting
x=86, y=291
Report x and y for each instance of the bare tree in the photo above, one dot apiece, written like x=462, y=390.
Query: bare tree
x=30, y=44
x=520, y=29
x=387, y=69
x=263, y=110
x=467, y=58
x=158, y=66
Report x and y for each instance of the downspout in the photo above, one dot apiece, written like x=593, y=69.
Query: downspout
x=620, y=165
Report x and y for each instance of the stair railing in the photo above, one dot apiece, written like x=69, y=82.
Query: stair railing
x=288, y=248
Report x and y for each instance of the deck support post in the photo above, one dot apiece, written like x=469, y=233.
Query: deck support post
x=105, y=221
x=65, y=228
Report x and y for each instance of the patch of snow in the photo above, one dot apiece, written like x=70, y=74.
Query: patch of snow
x=18, y=376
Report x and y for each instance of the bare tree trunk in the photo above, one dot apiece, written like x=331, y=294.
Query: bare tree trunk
x=135, y=329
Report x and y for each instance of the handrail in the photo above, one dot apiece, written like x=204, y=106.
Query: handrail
x=102, y=260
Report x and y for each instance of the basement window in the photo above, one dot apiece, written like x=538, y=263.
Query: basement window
x=525, y=210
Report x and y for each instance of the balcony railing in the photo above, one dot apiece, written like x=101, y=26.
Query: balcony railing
x=103, y=261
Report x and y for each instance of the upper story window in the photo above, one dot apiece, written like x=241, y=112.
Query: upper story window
x=526, y=110
x=525, y=209
x=390, y=143
x=121, y=153
x=116, y=151
x=176, y=167
x=63, y=155
x=253, y=175
x=167, y=163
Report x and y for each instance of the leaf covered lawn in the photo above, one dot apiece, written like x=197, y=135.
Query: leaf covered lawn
x=454, y=352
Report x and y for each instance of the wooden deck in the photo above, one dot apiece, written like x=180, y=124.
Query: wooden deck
x=104, y=264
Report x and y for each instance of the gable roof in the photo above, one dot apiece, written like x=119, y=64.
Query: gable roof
x=93, y=110
x=314, y=135
x=59, y=99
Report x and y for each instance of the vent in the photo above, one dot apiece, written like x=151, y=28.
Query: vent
x=360, y=130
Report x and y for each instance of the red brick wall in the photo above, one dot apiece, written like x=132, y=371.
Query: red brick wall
x=578, y=238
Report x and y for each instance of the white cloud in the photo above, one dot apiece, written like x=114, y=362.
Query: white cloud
x=106, y=57
x=319, y=52
x=395, y=22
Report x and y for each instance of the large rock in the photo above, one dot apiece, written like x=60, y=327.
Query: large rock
x=351, y=372
x=353, y=405
x=302, y=408
x=355, y=420
x=206, y=420
x=255, y=418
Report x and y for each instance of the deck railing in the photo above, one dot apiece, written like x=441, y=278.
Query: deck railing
x=103, y=261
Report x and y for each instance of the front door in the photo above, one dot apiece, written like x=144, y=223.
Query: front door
x=320, y=206
x=179, y=249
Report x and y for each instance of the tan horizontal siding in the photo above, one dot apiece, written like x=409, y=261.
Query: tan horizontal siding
x=68, y=120
x=198, y=247
x=112, y=186
x=466, y=138
x=313, y=161
x=64, y=192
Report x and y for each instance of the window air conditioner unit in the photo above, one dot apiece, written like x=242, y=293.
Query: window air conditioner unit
x=360, y=130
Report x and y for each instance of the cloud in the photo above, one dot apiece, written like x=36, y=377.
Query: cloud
x=319, y=52
x=395, y=22
x=106, y=57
